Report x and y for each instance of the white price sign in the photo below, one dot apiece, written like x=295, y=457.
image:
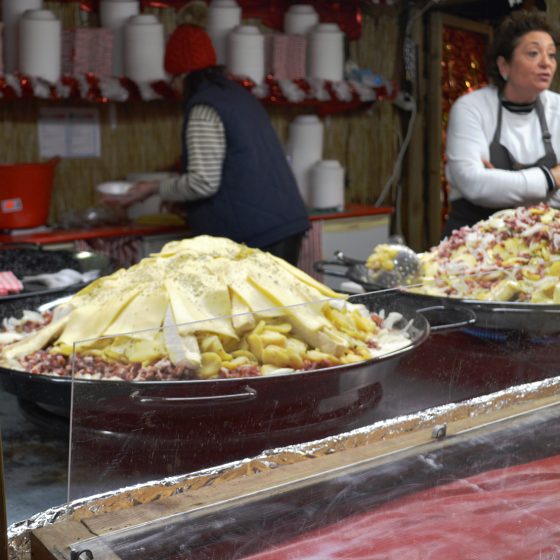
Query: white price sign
x=69, y=133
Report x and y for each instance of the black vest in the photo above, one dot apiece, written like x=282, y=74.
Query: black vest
x=258, y=201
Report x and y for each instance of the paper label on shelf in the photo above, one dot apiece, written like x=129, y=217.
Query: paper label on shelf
x=69, y=132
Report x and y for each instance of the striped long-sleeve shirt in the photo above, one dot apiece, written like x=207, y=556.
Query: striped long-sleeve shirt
x=206, y=146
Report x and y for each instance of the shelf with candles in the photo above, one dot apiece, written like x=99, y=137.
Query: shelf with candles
x=323, y=96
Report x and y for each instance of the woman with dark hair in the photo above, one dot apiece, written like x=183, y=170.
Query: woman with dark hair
x=235, y=179
x=503, y=140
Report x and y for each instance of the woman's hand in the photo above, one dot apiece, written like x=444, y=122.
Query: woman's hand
x=487, y=164
x=137, y=193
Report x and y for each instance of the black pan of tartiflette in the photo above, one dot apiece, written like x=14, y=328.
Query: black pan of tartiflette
x=248, y=413
x=533, y=319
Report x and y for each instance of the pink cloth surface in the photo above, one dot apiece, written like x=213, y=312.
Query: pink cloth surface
x=9, y=284
x=506, y=514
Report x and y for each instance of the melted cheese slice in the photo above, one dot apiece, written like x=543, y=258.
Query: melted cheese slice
x=90, y=321
x=143, y=313
x=196, y=311
x=203, y=286
x=39, y=339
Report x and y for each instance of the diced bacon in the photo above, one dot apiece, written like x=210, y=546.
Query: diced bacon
x=517, y=242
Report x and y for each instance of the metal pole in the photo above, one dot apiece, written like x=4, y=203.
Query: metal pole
x=3, y=516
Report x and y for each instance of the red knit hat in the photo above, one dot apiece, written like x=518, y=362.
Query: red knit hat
x=189, y=48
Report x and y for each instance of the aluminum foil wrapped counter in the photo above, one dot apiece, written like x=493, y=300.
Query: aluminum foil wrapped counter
x=268, y=469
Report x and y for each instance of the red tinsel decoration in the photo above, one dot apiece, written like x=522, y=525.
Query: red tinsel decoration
x=164, y=90
x=463, y=65
x=6, y=90
x=131, y=87
x=26, y=88
x=90, y=87
x=94, y=92
x=71, y=83
x=463, y=69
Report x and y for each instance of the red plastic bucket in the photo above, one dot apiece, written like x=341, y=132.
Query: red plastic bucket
x=25, y=194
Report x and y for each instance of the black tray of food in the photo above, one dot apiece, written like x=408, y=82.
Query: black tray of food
x=28, y=259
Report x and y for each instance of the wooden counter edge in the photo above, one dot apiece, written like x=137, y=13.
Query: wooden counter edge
x=139, y=230
x=53, y=541
x=58, y=537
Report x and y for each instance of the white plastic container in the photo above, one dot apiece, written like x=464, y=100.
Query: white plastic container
x=246, y=53
x=40, y=45
x=305, y=149
x=223, y=16
x=300, y=19
x=113, y=15
x=12, y=10
x=326, y=52
x=144, y=48
x=327, y=185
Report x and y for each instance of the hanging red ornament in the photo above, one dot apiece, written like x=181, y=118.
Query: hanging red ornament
x=131, y=87
x=26, y=87
x=70, y=85
x=164, y=90
x=7, y=91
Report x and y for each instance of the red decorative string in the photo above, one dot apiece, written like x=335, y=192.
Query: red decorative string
x=27, y=91
x=71, y=83
x=6, y=90
x=70, y=87
x=131, y=87
x=164, y=90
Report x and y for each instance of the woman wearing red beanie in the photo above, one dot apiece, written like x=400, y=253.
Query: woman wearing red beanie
x=235, y=180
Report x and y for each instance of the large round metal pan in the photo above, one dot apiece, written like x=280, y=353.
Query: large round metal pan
x=56, y=391
x=533, y=319
x=239, y=415
x=530, y=318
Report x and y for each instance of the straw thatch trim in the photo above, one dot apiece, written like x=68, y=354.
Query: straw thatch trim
x=138, y=137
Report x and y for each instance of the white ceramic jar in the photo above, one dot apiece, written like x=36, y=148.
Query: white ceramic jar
x=246, y=52
x=223, y=17
x=12, y=10
x=40, y=45
x=300, y=19
x=326, y=52
x=305, y=149
x=144, y=48
x=113, y=14
x=327, y=185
